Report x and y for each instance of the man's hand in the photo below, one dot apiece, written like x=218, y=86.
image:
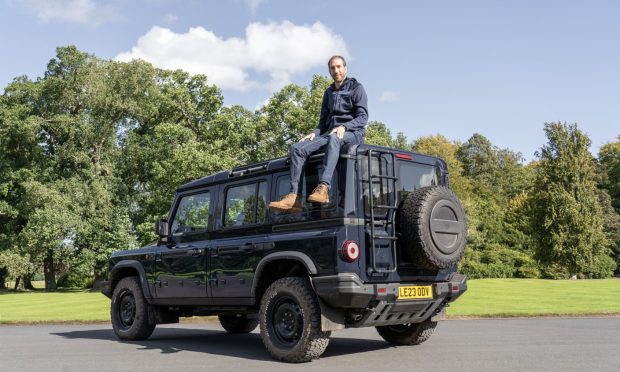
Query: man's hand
x=339, y=131
x=308, y=137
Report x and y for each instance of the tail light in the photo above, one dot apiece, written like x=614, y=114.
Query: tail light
x=350, y=250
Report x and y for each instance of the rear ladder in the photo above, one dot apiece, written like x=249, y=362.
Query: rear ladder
x=391, y=210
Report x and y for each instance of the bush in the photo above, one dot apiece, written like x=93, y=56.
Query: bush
x=498, y=261
x=602, y=267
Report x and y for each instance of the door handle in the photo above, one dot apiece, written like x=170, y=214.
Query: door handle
x=248, y=247
x=196, y=252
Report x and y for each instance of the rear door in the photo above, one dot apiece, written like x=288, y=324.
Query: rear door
x=239, y=240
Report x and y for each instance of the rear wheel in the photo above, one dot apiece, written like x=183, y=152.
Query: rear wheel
x=130, y=313
x=407, y=334
x=237, y=323
x=290, y=321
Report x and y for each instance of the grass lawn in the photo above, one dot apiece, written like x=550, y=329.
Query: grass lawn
x=63, y=306
x=484, y=298
x=535, y=297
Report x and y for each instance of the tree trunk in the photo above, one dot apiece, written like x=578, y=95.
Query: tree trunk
x=28, y=281
x=18, y=284
x=2, y=278
x=49, y=272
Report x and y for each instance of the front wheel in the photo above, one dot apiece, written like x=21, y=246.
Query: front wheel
x=407, y=334
x=290, y=321
x=130, y=312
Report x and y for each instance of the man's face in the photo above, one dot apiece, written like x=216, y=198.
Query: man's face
x=337, y=70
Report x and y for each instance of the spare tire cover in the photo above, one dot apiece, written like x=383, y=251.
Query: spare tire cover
x=432, y=227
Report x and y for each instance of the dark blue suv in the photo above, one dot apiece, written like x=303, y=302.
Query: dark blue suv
x=382, y=253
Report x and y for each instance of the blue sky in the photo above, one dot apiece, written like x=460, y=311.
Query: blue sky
x=499, y=68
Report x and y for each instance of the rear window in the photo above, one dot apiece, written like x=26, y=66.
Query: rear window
x=412, y=176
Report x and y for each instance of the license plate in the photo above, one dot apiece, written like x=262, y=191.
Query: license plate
x=412, y=292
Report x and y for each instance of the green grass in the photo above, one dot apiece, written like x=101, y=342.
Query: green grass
x=534, y=297
x=484, y=298
x=63, y=306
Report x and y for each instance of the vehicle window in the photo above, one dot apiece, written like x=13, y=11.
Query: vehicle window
x=192, y=214
x=246, y=204
x=412, y=176
x=309, y=182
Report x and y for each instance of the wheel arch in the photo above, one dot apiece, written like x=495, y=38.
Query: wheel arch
x=130, y=268
x=278, y=265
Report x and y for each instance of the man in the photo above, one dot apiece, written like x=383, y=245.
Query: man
x=344, y=114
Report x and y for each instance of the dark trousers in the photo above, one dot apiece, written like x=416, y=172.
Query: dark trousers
x=300, y=151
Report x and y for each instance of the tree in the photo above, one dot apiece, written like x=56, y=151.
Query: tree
x=289, y=114
x=377, y=133
x=567, y=219
x=609, y=157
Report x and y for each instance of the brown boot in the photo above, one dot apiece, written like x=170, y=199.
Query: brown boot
x=320, y=194
x=288, y=203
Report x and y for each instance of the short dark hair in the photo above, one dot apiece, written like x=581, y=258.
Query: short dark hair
x=344, y=61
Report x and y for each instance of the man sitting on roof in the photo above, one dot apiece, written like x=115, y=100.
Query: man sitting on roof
x=344, y=114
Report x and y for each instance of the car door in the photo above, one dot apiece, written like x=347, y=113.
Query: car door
x=238, y=241
x=180, y=267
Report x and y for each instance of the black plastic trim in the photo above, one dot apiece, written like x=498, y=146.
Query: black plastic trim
x=114, y=278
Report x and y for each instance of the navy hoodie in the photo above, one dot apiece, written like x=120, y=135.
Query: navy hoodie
x=346, y=106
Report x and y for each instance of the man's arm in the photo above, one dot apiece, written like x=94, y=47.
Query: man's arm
x=322, y=127
x=360, y=107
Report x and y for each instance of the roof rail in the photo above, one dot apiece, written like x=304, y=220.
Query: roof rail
x=243, y=170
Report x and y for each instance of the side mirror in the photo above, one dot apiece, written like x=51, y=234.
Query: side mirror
x=161, y=228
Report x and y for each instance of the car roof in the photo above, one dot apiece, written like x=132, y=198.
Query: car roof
x=275, y=164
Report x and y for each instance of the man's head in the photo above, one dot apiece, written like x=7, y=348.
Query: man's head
x=337, y=69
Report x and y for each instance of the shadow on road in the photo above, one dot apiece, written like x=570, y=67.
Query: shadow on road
x=246, y=346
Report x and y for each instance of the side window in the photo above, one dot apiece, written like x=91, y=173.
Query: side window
x=192, y=214
x=246, y=204
x=310, y=180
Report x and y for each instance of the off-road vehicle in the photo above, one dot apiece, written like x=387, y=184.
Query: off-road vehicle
x=383, y=253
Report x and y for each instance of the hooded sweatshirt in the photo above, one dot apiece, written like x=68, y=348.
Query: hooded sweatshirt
x=346, y=106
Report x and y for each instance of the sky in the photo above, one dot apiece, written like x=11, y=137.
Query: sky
x=455, y=68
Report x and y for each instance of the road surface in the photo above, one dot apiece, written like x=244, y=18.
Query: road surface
x=550, y=344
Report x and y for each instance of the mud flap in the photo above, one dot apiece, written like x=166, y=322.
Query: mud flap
x=331, y=319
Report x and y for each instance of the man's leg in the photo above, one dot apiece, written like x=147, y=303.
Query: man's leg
x=299, y=153
x=332, y=154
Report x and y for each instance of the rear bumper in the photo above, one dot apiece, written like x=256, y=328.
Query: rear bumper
x=379, y=301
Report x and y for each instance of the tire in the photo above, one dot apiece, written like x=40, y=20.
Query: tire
x=432, y=227
x=237, y=323
x=290, y=321
x=407, y=334
x=132, y=317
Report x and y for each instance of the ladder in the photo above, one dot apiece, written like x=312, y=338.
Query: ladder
x=391, y=209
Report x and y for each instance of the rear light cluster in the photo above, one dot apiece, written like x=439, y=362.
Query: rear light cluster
x=350, y=250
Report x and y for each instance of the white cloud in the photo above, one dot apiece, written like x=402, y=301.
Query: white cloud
x=389, y=96
x=73, y=11
x=280, y=50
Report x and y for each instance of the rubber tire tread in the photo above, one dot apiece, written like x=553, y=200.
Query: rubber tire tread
x=144, y=322
x=237, y=324
x=413, y=219
x=416, y=334
x=313, y=341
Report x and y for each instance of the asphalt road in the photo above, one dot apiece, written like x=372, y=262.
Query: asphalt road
x=574, y=344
